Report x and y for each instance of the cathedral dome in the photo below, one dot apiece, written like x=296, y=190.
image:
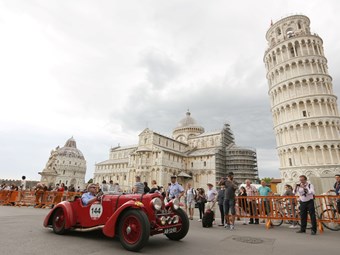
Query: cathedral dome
x=70, y=150
x=187, y=128
x=188, y=121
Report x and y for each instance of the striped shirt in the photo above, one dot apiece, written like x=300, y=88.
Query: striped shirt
x=140, y=187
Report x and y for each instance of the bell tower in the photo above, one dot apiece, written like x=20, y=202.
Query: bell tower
x=303, y=105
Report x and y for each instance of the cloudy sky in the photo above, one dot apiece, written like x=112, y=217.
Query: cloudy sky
x=102, y=71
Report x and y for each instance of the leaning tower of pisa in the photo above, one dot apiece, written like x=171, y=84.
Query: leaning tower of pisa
x=304, y=108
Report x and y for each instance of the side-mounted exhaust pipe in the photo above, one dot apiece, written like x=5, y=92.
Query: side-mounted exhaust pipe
x=88, y=229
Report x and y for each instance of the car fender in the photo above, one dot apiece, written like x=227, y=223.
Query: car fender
x=69, y=215
x=110, y=226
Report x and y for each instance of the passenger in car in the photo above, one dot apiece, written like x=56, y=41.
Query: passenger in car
x=91, y=195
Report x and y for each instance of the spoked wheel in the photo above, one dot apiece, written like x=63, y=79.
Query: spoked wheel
x=182, y=232
x=134, y=230
x=333, y=219
x=58, y=221
x=277, y=222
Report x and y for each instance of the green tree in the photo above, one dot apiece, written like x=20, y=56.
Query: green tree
x=90, y=181
x=267, y=179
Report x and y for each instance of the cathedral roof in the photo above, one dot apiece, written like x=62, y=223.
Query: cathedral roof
x=212, y=133
x=203, y=152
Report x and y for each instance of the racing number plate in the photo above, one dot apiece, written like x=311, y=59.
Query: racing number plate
x=170, y=230
x=96, y=211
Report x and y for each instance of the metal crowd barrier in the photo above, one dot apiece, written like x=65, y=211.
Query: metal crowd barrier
x=38, y=199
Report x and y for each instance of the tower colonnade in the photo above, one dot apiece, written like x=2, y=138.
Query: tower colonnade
x=304, y=109
x=317, y=106
x=299, y=88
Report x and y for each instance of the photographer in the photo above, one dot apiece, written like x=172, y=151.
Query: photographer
x=305, y=191
x=91, y=195
x=229, y=200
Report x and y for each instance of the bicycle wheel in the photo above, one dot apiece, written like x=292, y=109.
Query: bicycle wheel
x=332, y=218
x=277, y=222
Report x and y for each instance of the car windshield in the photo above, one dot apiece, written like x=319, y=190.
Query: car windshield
x=119, y=189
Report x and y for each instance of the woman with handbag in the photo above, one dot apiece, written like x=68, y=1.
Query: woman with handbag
x=201, y=200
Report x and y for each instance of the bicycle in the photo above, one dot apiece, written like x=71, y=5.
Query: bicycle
x=331, y=215
x=285, y=211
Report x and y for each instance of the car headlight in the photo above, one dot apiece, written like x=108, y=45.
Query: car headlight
x=175, y=203
x=156, y=203
x=169, y=220
x=163, y=220
x=175, y=219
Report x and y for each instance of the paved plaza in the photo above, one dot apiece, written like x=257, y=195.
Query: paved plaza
x=22, y=232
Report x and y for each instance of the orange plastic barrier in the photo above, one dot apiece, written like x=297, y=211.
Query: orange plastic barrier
x=38, y=199
x=278, y=209
x=3, y=197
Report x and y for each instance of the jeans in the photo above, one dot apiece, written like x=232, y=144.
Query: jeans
x=222, y=213
x=253, y=211
x=201, y=207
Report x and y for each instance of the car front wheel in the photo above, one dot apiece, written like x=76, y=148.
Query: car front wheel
x=182, y=232
x=58, y=221
x=134, y=230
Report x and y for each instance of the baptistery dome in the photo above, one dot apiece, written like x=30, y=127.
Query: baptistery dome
x=65, y=165
x=70, y=150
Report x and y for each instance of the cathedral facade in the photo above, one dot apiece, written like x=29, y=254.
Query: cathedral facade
x=193, y=155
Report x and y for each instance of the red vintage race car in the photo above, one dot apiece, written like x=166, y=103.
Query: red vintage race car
x=131, y=217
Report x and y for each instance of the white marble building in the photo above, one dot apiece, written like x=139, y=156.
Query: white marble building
x=66, y=165
x=304, y=107
x=191, y=154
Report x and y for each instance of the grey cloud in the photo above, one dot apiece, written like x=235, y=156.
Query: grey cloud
x=136, y=64
x=160, y=68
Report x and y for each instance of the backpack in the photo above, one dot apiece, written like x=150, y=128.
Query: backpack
x=208, y=218
x=193, y=191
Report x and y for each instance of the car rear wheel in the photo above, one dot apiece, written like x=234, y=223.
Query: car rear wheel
x=58, y=221
x=184, y=228
x=134, y=230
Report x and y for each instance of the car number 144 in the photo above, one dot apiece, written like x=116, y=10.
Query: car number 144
x=170, y=230
x=96, y=211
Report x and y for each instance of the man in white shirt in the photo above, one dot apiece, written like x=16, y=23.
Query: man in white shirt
x=211, y=198
x=104, y=187
x=190, y=195
x=252, y=191
x=305, y=191
x=175, y=190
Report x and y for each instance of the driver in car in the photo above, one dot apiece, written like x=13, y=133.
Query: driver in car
x=91, y=195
